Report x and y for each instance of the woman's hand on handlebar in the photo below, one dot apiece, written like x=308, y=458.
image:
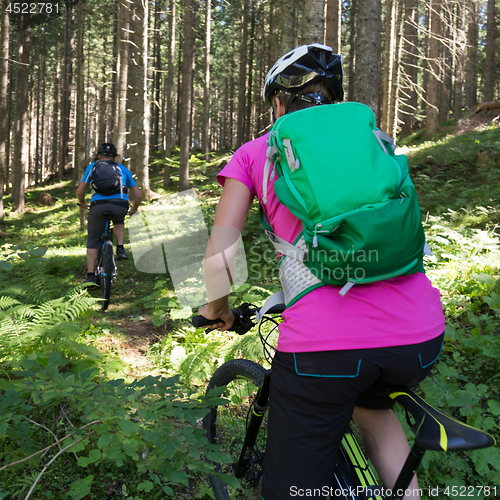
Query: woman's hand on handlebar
x=224, y=315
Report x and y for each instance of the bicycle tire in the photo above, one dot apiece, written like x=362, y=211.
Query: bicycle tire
x=226, y=426
x=108, y=266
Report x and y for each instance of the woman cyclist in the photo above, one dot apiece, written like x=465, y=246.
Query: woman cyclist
x=336, y=354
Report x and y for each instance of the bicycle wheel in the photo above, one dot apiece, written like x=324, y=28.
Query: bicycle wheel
x=108, y=266
x=226, y=426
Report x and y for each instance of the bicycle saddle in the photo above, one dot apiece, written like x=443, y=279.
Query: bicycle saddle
x=435, y=430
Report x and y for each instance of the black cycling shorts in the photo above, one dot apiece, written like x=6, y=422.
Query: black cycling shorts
x=312, y=398
x=97, y=222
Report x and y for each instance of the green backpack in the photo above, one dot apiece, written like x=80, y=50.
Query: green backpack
x=360, y=214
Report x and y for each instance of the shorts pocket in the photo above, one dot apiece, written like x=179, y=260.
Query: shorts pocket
x=430, y=352
x=326, y=364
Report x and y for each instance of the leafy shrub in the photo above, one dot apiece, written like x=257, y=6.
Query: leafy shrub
x=147, y=431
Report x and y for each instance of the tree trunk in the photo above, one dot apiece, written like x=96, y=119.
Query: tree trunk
x=139, y=134
x=290, y=25
x=396, y=74
x=37, y=162
x=54, y=157
x=431, y=121
x=445, y=80
x=10, y=127
x=409, y=83
x=353, y=15
x=156, y=80
x=389, y=56
x=242, y=79
x=169, y=94
x=122, y=33
x=66, y=90
x=4, y=85
x=101, y=124
x=274, y=44
x=187, y=83
x=180, y=58
x=261, y=73
x=43, y=121
x=489, y=63
x=313, y=22
x=248, y=112
x=79, y=154
x=333, y=24
x=472, y=54
x=367, y=76
x=461, y=41
x=206, y=84
x=111, y=125
x=21, y=146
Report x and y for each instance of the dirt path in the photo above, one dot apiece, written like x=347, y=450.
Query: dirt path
x=130, y=339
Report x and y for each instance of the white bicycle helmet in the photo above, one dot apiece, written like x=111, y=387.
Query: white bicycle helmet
x=302, y=66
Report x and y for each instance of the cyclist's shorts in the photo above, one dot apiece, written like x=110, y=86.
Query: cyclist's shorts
x=97, y=222
x=312, y=398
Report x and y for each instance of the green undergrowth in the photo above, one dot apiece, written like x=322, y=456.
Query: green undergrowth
x=141, y=438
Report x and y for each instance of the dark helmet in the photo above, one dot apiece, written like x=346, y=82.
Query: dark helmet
x=303, y=66
x=107, y=149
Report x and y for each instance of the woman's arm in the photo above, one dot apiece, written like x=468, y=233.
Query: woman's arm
x=231, y=212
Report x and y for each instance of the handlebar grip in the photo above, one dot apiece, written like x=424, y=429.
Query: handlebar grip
x=200, y=321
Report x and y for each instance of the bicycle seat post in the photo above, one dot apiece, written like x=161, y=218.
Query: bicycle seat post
x=407, y=472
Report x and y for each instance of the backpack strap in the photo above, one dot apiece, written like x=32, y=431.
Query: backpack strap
x=281, y=245
x=286, y=248
x=275, y=299
x=383, y=139
x=271, y=153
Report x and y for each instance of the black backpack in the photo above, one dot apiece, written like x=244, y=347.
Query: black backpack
x=106, y=178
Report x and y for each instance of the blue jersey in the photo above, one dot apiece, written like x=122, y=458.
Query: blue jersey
x=127, y=181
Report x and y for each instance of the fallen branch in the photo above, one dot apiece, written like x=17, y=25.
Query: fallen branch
x=48, y=464
x=486, y=106
x=48, y=447
x=43, y=427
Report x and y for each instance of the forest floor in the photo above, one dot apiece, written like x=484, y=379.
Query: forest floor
x=146, y=332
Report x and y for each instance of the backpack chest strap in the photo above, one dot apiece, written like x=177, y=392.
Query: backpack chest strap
x=296, y=278
x=286, y=248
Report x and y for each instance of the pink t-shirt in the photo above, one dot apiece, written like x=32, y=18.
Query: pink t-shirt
x=399, y=311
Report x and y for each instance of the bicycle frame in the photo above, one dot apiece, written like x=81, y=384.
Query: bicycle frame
x=107, y=235
x=260, y=406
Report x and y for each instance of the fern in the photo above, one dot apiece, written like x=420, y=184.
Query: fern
x=248, y=347
x=24, y=327
x=199, y=363
x=7, y=302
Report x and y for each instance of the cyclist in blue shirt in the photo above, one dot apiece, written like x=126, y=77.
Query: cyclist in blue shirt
x=117, y=202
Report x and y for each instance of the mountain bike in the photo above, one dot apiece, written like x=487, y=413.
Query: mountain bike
x=106, y=267
x=239, y=426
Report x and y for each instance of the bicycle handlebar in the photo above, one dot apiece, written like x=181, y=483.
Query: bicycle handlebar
x=243, y=318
